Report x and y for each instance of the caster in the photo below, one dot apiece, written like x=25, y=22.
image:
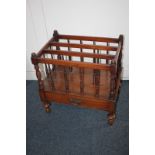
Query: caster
x=47, y=107
x=111, y=118
x=48, y=110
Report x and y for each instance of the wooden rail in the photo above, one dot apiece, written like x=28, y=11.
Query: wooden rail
x=88, y=38
x=84, y=46
x=73, y=63
x=79, y=54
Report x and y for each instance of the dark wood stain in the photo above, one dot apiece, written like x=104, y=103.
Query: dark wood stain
x=64, y=80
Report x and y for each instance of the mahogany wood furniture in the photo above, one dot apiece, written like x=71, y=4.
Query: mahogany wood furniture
x=80, y=70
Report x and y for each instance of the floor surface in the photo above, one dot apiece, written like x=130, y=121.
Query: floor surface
x=70, y=130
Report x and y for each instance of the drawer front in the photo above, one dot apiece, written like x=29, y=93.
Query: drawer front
x=80, y=101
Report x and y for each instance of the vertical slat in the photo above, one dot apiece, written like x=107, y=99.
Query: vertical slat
x=107, y=54
x=54, y=67
x=60, y=57
x=66, y=79
x=51, y=48
x=70, y=58
x=98, y=58
x=94, y=60
x=97, y=82
x=51, y=54
x=81, y=50
x=46, y=68
x=51, y=79
x=112, y=81
x=81, y=70
x=49, y=74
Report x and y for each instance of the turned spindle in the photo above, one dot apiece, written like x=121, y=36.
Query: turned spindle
x=107, y=53
x=94, y=59
x=81, y=50
x=40, y=81
x=81, y=71
x=113, y=80
x=97, y=82
x=66, y=79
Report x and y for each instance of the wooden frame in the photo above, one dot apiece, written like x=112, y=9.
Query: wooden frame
x=101, y=76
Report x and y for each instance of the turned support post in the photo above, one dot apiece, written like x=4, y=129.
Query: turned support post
x=113, y=80
x=111, y=115
x=56, y=39
x=40, y=82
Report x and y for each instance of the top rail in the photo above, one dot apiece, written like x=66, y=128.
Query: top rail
x=71, y=63
x=89, y=38
x=85, y=46
x=82, y=55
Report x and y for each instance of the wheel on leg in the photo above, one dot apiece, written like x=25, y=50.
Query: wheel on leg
x=111, y=118
x=47, y=107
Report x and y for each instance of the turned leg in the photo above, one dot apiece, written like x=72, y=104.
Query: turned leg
x=111, y=118
x=47, y=106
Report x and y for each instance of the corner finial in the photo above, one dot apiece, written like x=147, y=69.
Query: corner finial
x=33, y=58
x=33, y=55
x=121, y=38
x=55, y=33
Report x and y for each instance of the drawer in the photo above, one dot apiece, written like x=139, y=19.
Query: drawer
x=79, y=100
